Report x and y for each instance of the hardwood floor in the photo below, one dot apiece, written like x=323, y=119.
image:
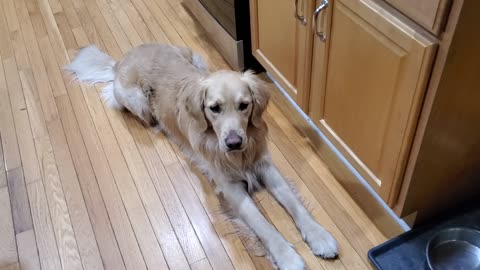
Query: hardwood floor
x=86, y=187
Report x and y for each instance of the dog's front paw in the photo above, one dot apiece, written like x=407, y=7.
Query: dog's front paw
x=321, y=242
x=286, y=258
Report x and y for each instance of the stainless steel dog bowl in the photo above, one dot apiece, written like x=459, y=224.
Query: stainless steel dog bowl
x=454, y=249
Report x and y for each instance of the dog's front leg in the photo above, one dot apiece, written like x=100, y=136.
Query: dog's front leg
x=320, y=241
x=281, y=251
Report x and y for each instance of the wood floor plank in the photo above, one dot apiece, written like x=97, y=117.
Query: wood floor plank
x=162, y=20
x=7, y=126
x=148, y=19
x=306, y=149
x=27, y=112
x=65, y=31
x=45, y=237
x=98, y=216
x=70, y=14
x=115, y=28
x=13, y=266
x=34, y=108
x=237, y=244
x=81, y=222
x=11, y=16
x=22, y=121
x=136, y=211
x=86, y=241
x=203, y=264
x=53, y=72
x=55, y=5
x=65, y=235
x=5, y=44
x=99, y=30
x=153, y=205
x=13, y=83
x=348, y=256
x=86, y=22
x=139, y=24
x=174, y=208
x=91, y=188
x=117, y=213
x=180, y=28
x=344, y=221
x=56, y=43
x=62, y=225
x=26, y=145
x=218, y=224
x=209, y=54
x=125, y=23
x=27, y=250
x=3, y=172
x=214, y=249
x=22, y=217
x=8, y=248
x=41, y=78
x=7, y=130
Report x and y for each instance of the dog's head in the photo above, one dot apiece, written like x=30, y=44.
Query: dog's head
x=229, y=102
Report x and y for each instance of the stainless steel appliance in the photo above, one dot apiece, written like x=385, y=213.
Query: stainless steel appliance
x=227, y=23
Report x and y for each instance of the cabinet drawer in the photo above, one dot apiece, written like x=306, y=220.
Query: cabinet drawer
x=430, y=14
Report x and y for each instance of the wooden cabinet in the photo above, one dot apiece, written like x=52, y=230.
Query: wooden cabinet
x=281, y=42
x=372, y=84
x=428, y=13
x=369, y=100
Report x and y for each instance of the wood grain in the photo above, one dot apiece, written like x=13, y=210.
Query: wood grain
x=47, y=247
x=81, y=223
x=91, y=188
x=7, y=127
x=27, y=250
x=447, y=150
x=97, y=213
x=358, y=199
x=8, y=248
x=133, y=202
x=3, y=174
x=19, y=200
x=203, y=264
x=283, y=46
x=388, y=69
x=430, y=14
x=162, y=183
x=14, y=266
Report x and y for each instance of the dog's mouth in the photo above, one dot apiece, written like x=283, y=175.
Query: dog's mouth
x=235, y=150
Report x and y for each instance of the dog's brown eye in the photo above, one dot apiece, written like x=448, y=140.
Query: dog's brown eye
x=215, y=108
x=243, y=106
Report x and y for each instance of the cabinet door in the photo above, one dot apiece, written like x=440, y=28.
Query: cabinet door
x=281, y=42
x=376, y=73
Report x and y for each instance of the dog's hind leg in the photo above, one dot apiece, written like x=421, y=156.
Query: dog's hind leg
x=134, y=100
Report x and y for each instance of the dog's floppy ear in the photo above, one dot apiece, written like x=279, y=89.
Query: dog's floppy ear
x=191, y=101
x=260, y=94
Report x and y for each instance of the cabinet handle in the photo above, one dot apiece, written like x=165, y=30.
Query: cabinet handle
x=298, y=17
x=323, y=5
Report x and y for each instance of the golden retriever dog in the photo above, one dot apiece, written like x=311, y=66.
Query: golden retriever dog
x=216, y=119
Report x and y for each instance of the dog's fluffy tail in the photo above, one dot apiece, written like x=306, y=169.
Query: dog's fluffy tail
x=91, y=66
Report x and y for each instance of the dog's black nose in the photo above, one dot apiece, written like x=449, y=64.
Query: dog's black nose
x=233, y=141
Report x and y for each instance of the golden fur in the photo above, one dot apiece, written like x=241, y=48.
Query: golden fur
x=203, y=112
